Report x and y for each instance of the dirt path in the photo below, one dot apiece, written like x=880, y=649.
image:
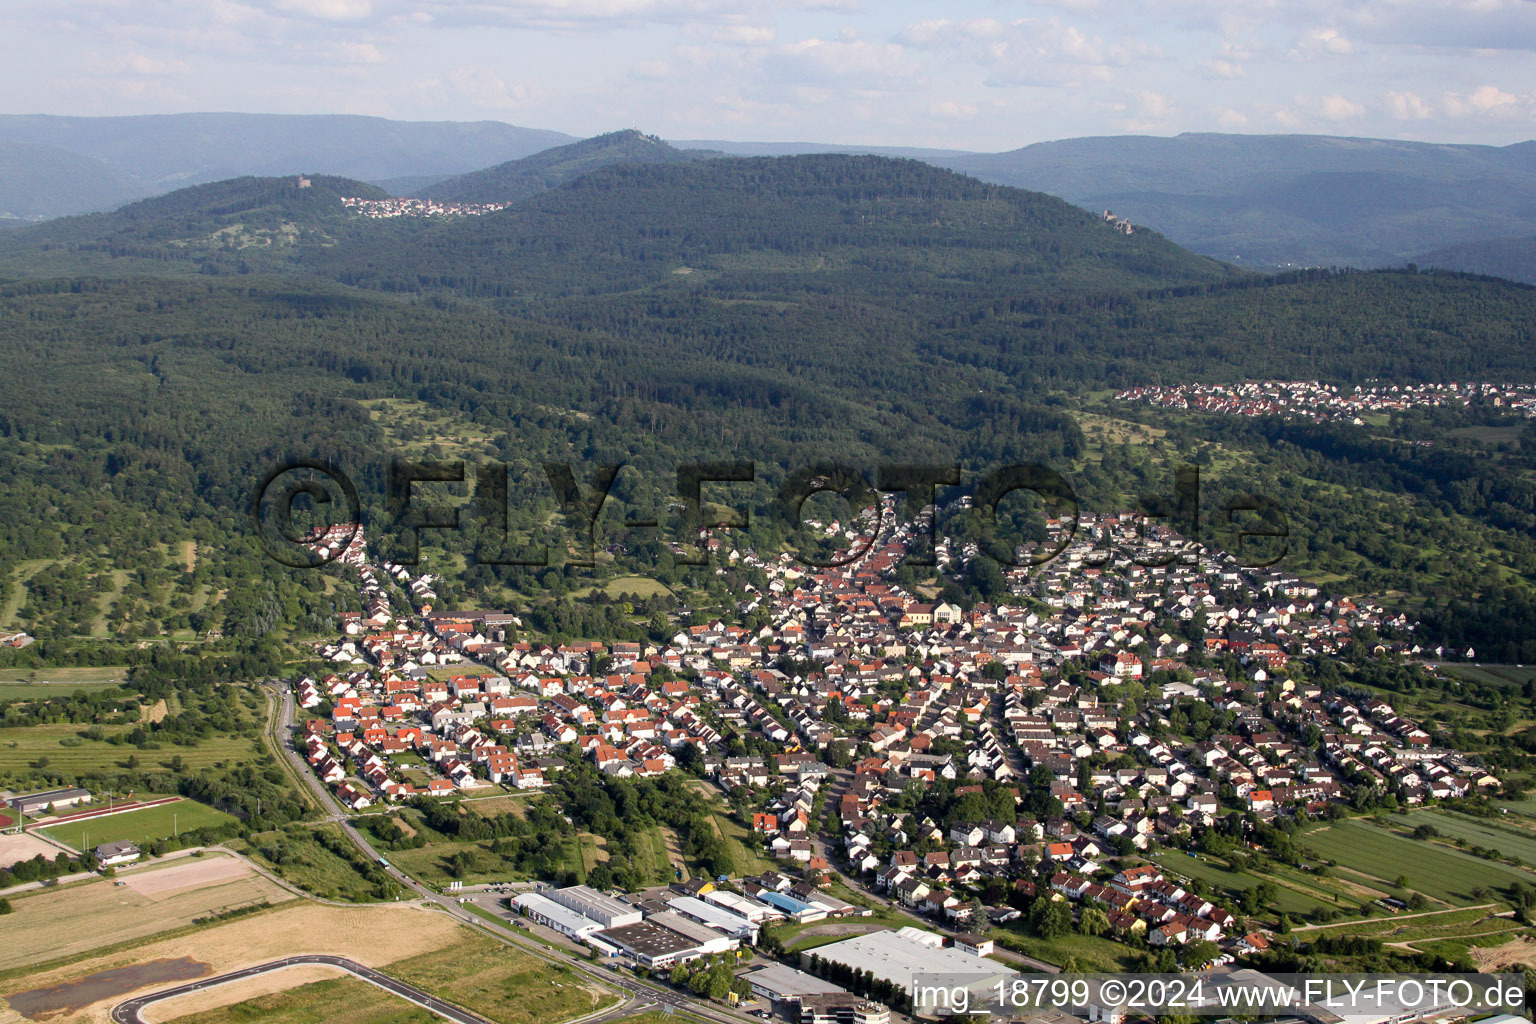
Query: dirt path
x=1399, y=917
x=670, y=841
x=1410, y=944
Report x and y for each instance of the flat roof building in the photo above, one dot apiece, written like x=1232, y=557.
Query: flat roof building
x=779, y=982
x=842, y=1009
x=743, y=906
x=589, y=902
x=652, y=943
x=56, y=798
x=552, y=915
x=715, y=917
x=897, y=956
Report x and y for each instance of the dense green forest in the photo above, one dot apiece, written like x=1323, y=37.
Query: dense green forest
x=784, y=312
x=530, y=175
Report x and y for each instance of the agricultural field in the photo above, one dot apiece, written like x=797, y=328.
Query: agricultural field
x=42, y=691
x=1448, y=934
x=142, y=826
x=502, y=983
x=1512, y=676
x=1204, y=868
x=46, y=925
x=338, y=1000
x=1507, y=839
x=1438, y=872
x=77, y=677
x=62, y=750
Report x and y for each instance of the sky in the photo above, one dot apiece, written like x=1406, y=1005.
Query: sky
x=966, y=74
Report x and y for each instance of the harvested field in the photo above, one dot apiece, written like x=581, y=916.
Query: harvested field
x=194, y=873
x=375, y=936
x=49, y=925
x=17, y=848
x=241, y=991
x=333, y=1000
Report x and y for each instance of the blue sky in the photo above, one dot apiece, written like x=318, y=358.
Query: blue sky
x=969, y=74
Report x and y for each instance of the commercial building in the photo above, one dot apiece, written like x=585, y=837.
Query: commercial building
x=552, y=915
x=742, y=906
x=715, y=917
x=588, y=902
x=842, y=1009
x=58, y=799
x=661, y=941
x=798, y=910
x=898, y=956
x=781, y=983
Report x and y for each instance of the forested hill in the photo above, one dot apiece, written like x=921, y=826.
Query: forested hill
x=823, y=223
x=196, y=213
x=773, y=310
x=1513, y=258
x=519, y=179
x=818, y=223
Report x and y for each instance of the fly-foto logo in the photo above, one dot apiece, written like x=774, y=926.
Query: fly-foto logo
x=1249, y=520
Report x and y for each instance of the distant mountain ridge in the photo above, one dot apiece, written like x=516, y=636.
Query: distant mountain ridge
x=1278, y=200
x=530, y=175
x=157, y=153
x=1513, y=258
x=1260, y=201
x=38, y=181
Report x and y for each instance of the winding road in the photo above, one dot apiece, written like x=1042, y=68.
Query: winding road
x=639, y=996
x=129, y=1012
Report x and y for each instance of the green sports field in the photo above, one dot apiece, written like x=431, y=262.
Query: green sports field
x=142, y=826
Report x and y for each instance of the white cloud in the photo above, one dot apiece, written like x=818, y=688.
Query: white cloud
x=746, y=35
x=815, y=61
x=1491, y=97
x=1230, y=119
x=1338, y=108
x=330, y=10
x=485, y=89
x=1408, y=106
x=1321, y=42
x=1219, y=68
x=954, y=111
x=1022, y=40
x=1484, y=101
x=357, y=53
x=149, y=67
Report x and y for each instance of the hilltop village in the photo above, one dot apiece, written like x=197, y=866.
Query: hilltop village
x=1320, y=403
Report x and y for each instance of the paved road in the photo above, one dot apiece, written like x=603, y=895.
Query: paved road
x=638, y=994
x=128, y=1012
